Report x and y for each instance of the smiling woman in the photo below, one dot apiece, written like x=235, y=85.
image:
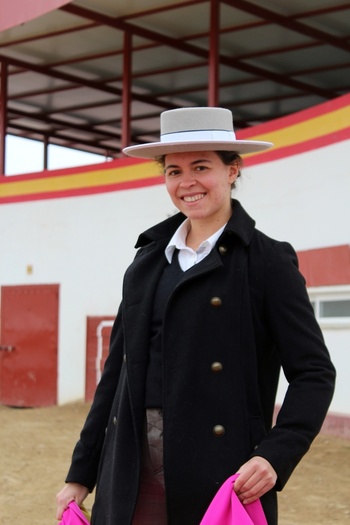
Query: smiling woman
x=199, y=184
x=211, y=309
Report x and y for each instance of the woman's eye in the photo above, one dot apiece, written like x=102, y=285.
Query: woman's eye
x=173, y=173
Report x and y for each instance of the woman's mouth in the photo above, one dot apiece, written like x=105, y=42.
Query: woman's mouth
x=193, y=198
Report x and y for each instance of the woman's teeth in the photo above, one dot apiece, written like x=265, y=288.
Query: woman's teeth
x=193, y=198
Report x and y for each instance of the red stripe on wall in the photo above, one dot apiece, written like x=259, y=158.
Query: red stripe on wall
x=301, y=147
x=117, y=163
x=77, y=192
x=295, y=118
x=326, y=266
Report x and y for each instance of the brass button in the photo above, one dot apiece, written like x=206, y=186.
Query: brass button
x=223, y=249
x=124, y=358
x=115, y=421
x=216, y=367
x=216, y=302
x=219, y=430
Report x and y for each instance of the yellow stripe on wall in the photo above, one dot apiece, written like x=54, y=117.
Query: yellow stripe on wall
x=91, y=179
x=309, y=129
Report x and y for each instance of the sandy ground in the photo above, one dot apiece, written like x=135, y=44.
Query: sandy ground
x=36, y=446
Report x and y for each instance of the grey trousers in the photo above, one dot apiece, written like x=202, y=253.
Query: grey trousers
x=151, y=503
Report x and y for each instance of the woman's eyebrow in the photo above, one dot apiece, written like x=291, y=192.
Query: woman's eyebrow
x=197, y=161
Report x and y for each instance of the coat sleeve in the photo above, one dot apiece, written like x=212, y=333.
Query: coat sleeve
x=305, y=361
x=87, y=452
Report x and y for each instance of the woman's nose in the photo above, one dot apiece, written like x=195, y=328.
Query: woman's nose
x=187, y=179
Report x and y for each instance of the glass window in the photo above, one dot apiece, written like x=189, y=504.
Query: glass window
x=339, y=308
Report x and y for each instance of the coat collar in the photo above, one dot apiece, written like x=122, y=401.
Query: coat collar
x=240, y=224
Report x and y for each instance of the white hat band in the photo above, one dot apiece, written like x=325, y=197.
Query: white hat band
x=199, y=136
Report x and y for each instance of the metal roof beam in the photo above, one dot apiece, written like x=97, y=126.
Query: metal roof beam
x=47, y=71
x=289, y=23
x=3, y=114
x=58, y=124
x=99, y=86
x=191, y=49
x=69, y=141
x=51, y=34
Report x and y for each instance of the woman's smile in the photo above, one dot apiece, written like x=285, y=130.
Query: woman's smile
x=193, y=198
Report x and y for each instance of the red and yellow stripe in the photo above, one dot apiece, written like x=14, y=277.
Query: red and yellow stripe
x=98, y=178
x=306, y=130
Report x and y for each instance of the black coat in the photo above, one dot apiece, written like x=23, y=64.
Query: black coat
x=244, y=306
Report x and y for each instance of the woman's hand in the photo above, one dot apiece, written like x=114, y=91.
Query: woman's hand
x=70, y=492
x=256, y=477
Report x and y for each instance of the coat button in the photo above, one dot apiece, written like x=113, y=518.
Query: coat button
x=216, y=367
x=219, y=430
x=124, y=358
x=223, y=249
x=216, y=302
x=115, y=421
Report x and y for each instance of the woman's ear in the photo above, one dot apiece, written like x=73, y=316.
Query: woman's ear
x=234, y=171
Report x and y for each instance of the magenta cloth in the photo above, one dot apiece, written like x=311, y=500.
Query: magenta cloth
x=73, y=515
x=226, y=508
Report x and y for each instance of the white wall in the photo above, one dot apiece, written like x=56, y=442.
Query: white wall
x=85, y=243
x=303, y=198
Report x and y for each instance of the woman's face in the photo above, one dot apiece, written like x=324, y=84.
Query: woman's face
x=199, y=184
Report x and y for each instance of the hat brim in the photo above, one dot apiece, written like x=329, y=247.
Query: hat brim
x=157, y=149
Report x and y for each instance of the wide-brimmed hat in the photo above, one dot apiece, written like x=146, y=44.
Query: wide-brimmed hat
x=196, y=129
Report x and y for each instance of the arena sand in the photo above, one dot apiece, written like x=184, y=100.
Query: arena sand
x=36, y=446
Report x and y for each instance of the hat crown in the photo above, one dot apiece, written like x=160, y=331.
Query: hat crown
x=195, y=119
x=195, y=129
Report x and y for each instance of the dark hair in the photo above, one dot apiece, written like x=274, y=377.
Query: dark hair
x=227, y=157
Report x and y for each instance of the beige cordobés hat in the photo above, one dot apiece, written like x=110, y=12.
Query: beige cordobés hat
x=196, y=129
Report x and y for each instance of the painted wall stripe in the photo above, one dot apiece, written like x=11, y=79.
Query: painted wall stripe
x=306, y=130
x=312, y=129
x=81, y=191
x=296, y=118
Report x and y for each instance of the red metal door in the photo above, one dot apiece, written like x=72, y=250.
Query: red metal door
x=28, y=345
x=97, y=345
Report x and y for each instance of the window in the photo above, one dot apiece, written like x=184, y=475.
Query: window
x=331, y=305
x=335, y=308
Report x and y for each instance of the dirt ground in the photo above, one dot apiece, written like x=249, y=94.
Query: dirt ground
x=36, y=446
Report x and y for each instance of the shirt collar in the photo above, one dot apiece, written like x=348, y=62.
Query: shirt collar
x=240, y=224
x=178, y=241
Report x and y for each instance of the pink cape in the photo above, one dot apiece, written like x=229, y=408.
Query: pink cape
x=226, y=508
x=73, y=516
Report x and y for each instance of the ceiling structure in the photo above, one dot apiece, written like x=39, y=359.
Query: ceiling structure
x=95, y=74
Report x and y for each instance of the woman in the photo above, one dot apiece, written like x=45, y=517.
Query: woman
x=212, y=308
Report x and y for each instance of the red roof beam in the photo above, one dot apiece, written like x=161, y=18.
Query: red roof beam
x=290, y=24
x=191, y=49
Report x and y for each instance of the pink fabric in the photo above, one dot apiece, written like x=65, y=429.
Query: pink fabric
x=73, y=516
x=226, y=508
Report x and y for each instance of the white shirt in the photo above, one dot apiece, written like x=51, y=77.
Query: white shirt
x=187, y=256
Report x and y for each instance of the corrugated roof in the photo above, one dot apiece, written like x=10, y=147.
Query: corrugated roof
x=67, y=71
